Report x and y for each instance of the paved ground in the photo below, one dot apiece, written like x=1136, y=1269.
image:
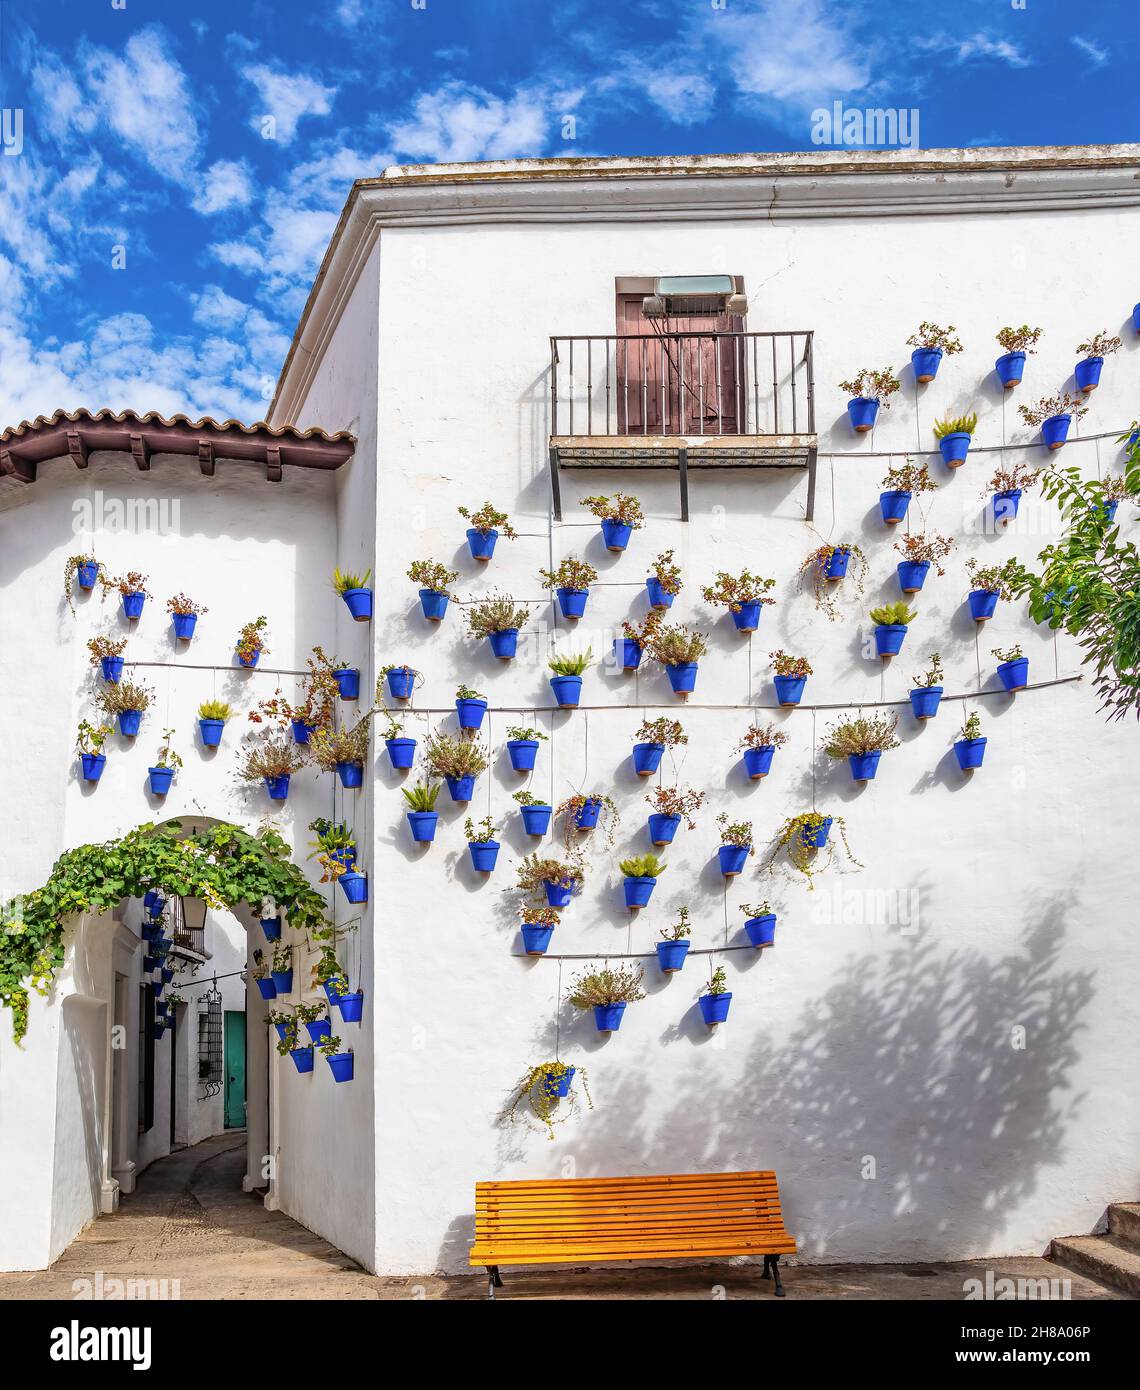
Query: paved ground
x=189, y=1220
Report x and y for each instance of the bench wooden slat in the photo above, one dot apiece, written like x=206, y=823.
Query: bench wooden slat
x=658, y=1181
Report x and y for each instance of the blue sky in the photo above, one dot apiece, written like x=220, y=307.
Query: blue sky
x=182, y=166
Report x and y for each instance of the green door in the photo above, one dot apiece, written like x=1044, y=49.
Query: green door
x=235, y=1069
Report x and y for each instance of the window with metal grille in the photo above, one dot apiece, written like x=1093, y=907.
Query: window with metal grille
x=210, y=1060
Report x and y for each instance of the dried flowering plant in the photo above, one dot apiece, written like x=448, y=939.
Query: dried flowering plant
x=797, y=667
x=929, y=336
x=1050, y=406
x=766, y=736
x=677, y=801
x=732, y=591
x=488, y=518
x=620, y=507
x=430, y=574
x=919, y=548
x=870, y=385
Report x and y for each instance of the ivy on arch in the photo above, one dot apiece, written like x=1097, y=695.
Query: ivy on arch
x=221, y=863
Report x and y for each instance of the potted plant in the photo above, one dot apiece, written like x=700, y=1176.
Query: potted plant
x=1017, y=342
x=544, y=1087
x=679, y=650
x=285, y=1024
x=758, y=746
x=353, y=588
x=651, y=741
x=664, y=582
x=315, y=1017
x=558, y=880
x=970, y=747
x=270, y=922
x=89, y=741
x=1054, y=415
x=635, y=639
x=422, y=815
x=107, y=653
x=498, y=618
x=334, y=847
x=620, y=516
x=607, y=992
x=868, y=391
x=486, y=524
x=1013, y=669
x=580, y=813
x=354, y=885
x=522, y=746
x=328, y=975
x=862, y=742
x=919, y=552
x=674, y=944
x=272, y=760
x=566, y=682
x=538, y=925
x=184, y=615
x=434, y=582
x=250, y=644
x=672, y=805
x=736, y=844
x=351, y=1005
x=1087, y=371
x=929, y=344
x=132, y=591
x=470, y=707
x=927, y=693
x=535, y=813
x=571, y=582
x=791, y=676
x=759, y=925
x=481, y=844
x=401, y=748
x=891, y=622
x=715, y=1000
x=1007, y=486
x=988, y=583
x=343, y=751
x=742, y=594
x=826, y=565
x=340, y=1063
x=166, y=765
x=801, y=836
x=82, y=569
x=127, y=703
x=1114, y=490
x=954, y=435
x=259, y=972
x=900, y=485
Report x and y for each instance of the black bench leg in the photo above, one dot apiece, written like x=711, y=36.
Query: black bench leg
x=775, y=1262
x=493, y=1280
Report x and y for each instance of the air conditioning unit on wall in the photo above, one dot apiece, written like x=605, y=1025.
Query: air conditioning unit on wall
x=694, y=296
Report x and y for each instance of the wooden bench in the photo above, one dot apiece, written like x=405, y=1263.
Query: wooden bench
x=672, y=1216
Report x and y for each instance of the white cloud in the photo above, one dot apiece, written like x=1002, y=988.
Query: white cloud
x=788, y=51
x=1096, y=55
x=458, y=122
x=226, y=184
x=973, y=48
x=287, y=97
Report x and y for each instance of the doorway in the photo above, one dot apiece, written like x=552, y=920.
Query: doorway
x=235, y=1069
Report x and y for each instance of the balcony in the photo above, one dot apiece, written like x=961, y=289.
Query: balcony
x=682, y=401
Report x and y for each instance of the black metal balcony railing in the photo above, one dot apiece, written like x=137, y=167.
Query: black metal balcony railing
x=183, y=936
x=682, y=384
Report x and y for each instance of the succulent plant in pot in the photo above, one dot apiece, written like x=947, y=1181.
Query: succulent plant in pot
x=458, y=761
x=131, y=588
x=900, y=485
x=558, y=879
x=607, y=992
x=487, y=524
x=801, y=836
x=926, y=695
x=674, y=944
x=481, y=843
x=641, y=873
x=212, y=717
x=1016, y=344
x=522, y=746
x=537, y=927
x=126, y=701
x=791, y=676
x=736, y=844
x=571, y=582
x=1006, y=487
x=542, y=1090
x=651, y=740
x=930, y=342
x=353, y=589
x=1053, y=415
x=743, y=594
x=671, y=806
x=334, y=847
x=664, y=582
x=715, y=1000
x=107, y=654
x=620, y=516
x=435, y=581
x=954, y=434
x=89, y=741
x=891, y=622
x=184, y=614
x=826, y=566
x=1093, y=353
x=920, y=551
x=586, y=811
x=869, y=389
x=1013, y=668
x=679, y=650
x=251, y=644
x=862, y=741
x=759, y=745
x=272, y=759
x=970, y=747
x=343, y=751
x=566, y=682
x=988, y=583
x=499, y=619
x=422, y=815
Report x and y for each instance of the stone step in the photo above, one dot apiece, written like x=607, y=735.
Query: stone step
x=1124, y=1222
x=1107, y=1258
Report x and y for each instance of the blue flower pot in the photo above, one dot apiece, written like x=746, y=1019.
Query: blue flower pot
x=758, y=761
x=1014, y=675
x=470, y=712
x=401, y=751
x=893, y=506
x=249, y=662
x=481, y=543
x=647, y=758
x=557, y=1085
x=461, y=788
x=318, y=1029
x=351, y=1006
x=522, y=753
x=607, y=1017
x=586, y=817
x=271, y=926
x=483, y=855
x=434, y=604
x=761, y=931
x=282, y=1030
x=889, y=638
x=567, y=691
x=423, y=824
x=616, y=534
x=160, y=948
x=184, y=625
x=558, y=894
x=266, y=988
x=912, y=575
x=536, y=938
x=732, y=859
x=1136, y=318
x=282, y=981
x=789, y=689
x=714, y=1007
x=970, y=752
x=277, y=787
x=982, y=604
x=924, y=701
x=572, y=602
x=346, y=857
x=505, y=643
x=638, y=891
x=1109, y=509
x=333, y=993
x=671, y=955
x=133, y=605
x=160, y=779
x=359, y=603
x=302, y=1058
x=1010, y=369
x=348, y=682
x=350, y=774
x=862, y=413
x=748, y=619
x=354, y=886
x=663, y=828
x=167, y=974
x=659, y=598
x=1087, y=373
x=401, y=682
x=210, y=732
x=864, y=765
x=925, y=362
x=1055, y=430
x=86, y=574
x=1005, y=505
x=627, y=653
x=152, y=898
x=683, y=677
x=151, y=963
x=112, y=668
x=92, y=765
x=954, y=448
x=817, y=838
x=301, y=731
x=536, y=819
x=130, y=721
x=836, y=567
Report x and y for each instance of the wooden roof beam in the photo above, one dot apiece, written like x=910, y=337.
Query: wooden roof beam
x=20, y=469
x=140, y=449
x=206, y=459
x=77, y=448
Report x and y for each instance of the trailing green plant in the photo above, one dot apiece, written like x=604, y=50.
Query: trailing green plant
x=718, y=982
x=855, y=737
x=309, y=1013
x=889, y=614
x=620, y=507
x=732, y=591
x=680, y=929
x=608, y=817
x=572, y=664
x=465, y=692
x=167, y=757
x=393, y=728
x=133, y=582
x=251, y=639
x=1013, y=653
x=642, y=866
x=1023, y=339
x=826, y=591
x=756, y=909
x=448, y=756
x=329, y=1046
x=126, y=695
x=487, y=518
x=1101, y=344
x=538, y=1090
x=929, y=336
x=798, y=667
x=102, y=648
x=971, y=727
x=184, y=606
x=677, y=801
x=535, y=872
x=677, y=646
x=934, y=674
x=214, y=709
x=422, y=796
x=430, y=574
x=571, y=573
x=1063, y=403
x=521, y=731
x=526, y=799
x=327, y=970
x=71, y=569
x=955, y=424
x=918, y=547
x=290, y=1042
x=343, y=580
x=767, y=736
x=496, y=613
x=327, y=747
x=800, y=855
x=90, y=738
x=612, y=985
x=480, y=833
x=994, y=579
x=1018, y=477
x=667, y=574
x=735, y=832
x=381, y=676
x=870, y=385
x=909, y=477
x=664, y=731
x=271, y=756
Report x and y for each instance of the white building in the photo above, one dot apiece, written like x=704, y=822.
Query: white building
x=939, y=1058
